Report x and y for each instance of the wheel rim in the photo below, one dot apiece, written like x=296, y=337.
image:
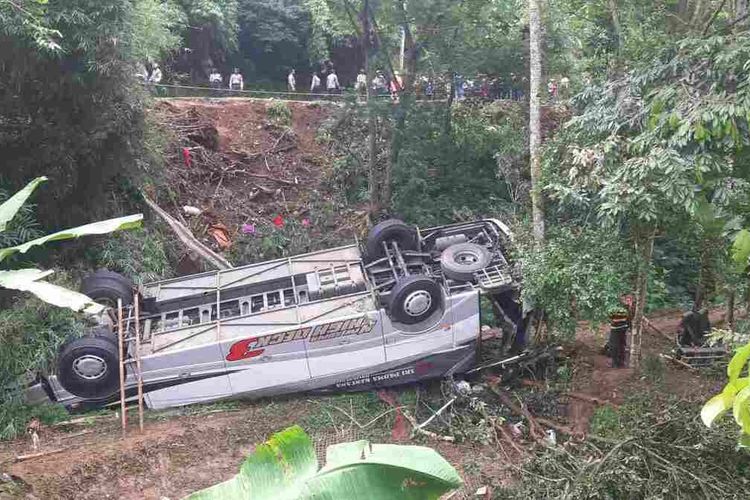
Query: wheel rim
x=417, y=303
x=466, y=258
x=90, y=367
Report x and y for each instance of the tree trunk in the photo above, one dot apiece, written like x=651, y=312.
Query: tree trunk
x=615, y=14
x=535, y=132
x=730, y=308
x=644, y=249
x=402, y=108
x=371, y=124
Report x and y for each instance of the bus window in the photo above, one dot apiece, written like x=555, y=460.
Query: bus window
x=256, y=303
x=274, y=299
x=191, y=317
x=230, y=308
x=288, y=297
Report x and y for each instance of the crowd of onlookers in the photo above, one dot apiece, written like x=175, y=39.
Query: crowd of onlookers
x=325, y=82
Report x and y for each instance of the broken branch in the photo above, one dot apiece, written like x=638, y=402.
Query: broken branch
x=187, y=238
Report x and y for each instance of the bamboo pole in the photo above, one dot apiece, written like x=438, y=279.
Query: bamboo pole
x=124, y=415
x=138, y=360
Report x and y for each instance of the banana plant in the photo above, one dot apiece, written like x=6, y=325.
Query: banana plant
x=735, y=396
x=286, y=468
x=31, y=279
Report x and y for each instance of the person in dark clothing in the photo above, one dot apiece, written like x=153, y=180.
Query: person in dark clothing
x=693, y=328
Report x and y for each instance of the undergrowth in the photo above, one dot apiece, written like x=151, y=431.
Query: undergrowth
x=653, y=446
x=31, y=332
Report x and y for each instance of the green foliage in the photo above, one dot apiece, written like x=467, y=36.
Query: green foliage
x=652, y=447
x=279, y=113
x=271, y=242
x=653, y=368
x=23, y=226
x=31, y=279
x=143, y=254
x=605, y=422
x=447, y=176
x=15, y=415
x=286, y=467
x=735, y=396
x=275, y=35
x=74, y=114
x=157, y=24
x=30, y=334
x=579, y=274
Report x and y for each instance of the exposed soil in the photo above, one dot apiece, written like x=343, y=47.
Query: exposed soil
x=240, y=163
x=595, y=377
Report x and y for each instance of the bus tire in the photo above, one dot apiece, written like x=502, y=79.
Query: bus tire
x=88, y=367
x=459, y=262
x=106, y=287
x=414, y=299
x=387, y=231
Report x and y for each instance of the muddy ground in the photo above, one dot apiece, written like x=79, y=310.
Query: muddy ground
x=183, y=450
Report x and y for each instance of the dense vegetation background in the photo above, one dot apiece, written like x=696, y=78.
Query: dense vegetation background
x=645, y=160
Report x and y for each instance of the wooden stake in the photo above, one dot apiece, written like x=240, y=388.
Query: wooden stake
x=138, y=360
x=677, y=361
x=123, y=410
x=21, y=458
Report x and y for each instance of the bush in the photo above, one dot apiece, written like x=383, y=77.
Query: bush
x=279, y=113
x=656, y=447
x=31, y=333
x=143, y=255
x=581, y=273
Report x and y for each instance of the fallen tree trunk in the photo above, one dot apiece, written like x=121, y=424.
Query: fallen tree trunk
x=186, y=237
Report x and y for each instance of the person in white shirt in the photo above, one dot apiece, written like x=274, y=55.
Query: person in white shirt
x=361, y=83
x=215, y=79
x=235, y=80
x=155, y=74
x=332, y=82
x=291, y=81
x=315, y=83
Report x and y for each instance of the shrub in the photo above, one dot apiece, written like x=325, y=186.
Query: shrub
x=279, y=113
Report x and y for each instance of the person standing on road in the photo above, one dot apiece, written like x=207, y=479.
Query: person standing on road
x=378, y=83
x=214, y=79
x=361, y=83
x=235, y=81
x=332, y=82
x=291, y=81
x=315, y=83
x=156, y=75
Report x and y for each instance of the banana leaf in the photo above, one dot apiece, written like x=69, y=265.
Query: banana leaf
x=12, y=205
x=101, y=227
x=29, y=280
x=285, y=468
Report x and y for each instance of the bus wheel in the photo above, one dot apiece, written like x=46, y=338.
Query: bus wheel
x=459, y=262
x=388, y=231
x=88, y=367
x=414, y=299
x=105, y=287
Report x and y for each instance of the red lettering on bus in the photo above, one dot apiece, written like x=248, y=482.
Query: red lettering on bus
x=243, y=350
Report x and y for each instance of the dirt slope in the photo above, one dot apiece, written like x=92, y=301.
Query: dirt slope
x=246, y=162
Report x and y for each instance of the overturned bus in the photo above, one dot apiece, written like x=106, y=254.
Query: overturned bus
x=402, y=307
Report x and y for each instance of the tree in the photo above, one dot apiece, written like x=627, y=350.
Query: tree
x=650, y=145
x=286, y=468
x=73, y=110
x=535, y=129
